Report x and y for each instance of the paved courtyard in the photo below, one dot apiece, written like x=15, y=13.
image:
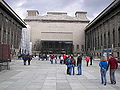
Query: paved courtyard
x=41, y=75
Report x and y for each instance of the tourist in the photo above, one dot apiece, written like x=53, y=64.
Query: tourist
x=73, y=64
x=87, y=60
x=68, y=63
x=29, y=58
x=24, y=57
x=91, y=59
x=79, y=64
x=103, y=69
x=113, y=63
x=61, y=59
x=64, y=57
x=51, y=58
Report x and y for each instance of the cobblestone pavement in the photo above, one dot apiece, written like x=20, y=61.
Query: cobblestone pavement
x=41, y=75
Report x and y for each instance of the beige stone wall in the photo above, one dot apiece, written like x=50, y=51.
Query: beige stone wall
x=57, y=36
x=56, y=26
x=58, y=32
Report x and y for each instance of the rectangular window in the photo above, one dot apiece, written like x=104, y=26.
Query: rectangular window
x=82, y=47
x=77, y=46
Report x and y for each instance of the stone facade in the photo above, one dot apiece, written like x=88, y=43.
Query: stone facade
x=58, y=26
x=103, y=33
x=10, y=26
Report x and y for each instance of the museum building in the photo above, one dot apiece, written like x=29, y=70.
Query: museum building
x=57, y=32
x=103, y=33
x=10, y=26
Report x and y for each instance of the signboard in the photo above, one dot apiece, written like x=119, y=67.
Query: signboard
x=107, y=50
x=106, y=53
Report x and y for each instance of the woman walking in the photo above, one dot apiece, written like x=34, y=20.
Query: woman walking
x=73, y=64
x=87, y=60
x=103, y=69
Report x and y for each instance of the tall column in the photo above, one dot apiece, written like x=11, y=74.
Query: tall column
x=1, y=27
x=10, y=30
x=7, y=25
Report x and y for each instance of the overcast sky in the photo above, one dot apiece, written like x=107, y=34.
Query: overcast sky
x=92, y=7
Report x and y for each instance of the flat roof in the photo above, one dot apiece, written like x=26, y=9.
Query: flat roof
x=8, y=9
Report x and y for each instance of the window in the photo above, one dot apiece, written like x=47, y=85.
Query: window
x=77, y=46
x=82, y=47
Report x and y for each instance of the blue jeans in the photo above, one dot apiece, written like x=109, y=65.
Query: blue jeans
x=103, y=75
x=51, y=61
x=69, y=69
x=55, y=61
x=72, y=69
x=79, y=69
x=24, y=62
x=112, y=75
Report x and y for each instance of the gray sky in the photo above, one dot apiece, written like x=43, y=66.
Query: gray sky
x=92, y=7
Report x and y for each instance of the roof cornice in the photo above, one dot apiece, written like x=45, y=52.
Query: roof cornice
x=11, y=12
x=50, y=20
x=103, y=13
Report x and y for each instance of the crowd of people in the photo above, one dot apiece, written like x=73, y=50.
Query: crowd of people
x=71, y=62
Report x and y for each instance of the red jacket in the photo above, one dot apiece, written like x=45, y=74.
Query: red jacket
x=113, y=63
x=64, y=57
x=87, y=58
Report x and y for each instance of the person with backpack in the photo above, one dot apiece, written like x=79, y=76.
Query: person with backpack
x=68, y=63
x=73, y=64
x=79, y=64
x=103, y=69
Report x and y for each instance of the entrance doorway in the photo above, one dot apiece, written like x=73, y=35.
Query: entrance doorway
x=57, y=47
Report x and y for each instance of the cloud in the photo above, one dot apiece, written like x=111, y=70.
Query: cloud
x=93, y=7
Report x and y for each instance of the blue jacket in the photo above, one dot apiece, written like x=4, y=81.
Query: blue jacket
x=103, y=65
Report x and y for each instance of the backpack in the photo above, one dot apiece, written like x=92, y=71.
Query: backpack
x=73, y=61
x=68, y=61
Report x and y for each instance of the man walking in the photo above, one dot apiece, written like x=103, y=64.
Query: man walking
x=91, y=58
x=113, y=63
x=79, y=63
x=73, y=64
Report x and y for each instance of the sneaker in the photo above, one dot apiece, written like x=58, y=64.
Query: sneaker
x=114, y=83
x=111, y=82
x=105, y=84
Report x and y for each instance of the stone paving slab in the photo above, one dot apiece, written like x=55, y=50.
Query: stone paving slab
x=41, y=75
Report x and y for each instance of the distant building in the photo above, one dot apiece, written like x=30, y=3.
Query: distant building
x=25, y=41
x=103, y=33
x=10, y=27
x=57, y=32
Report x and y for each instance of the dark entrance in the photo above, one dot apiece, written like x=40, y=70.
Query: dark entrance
x=57, y=47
